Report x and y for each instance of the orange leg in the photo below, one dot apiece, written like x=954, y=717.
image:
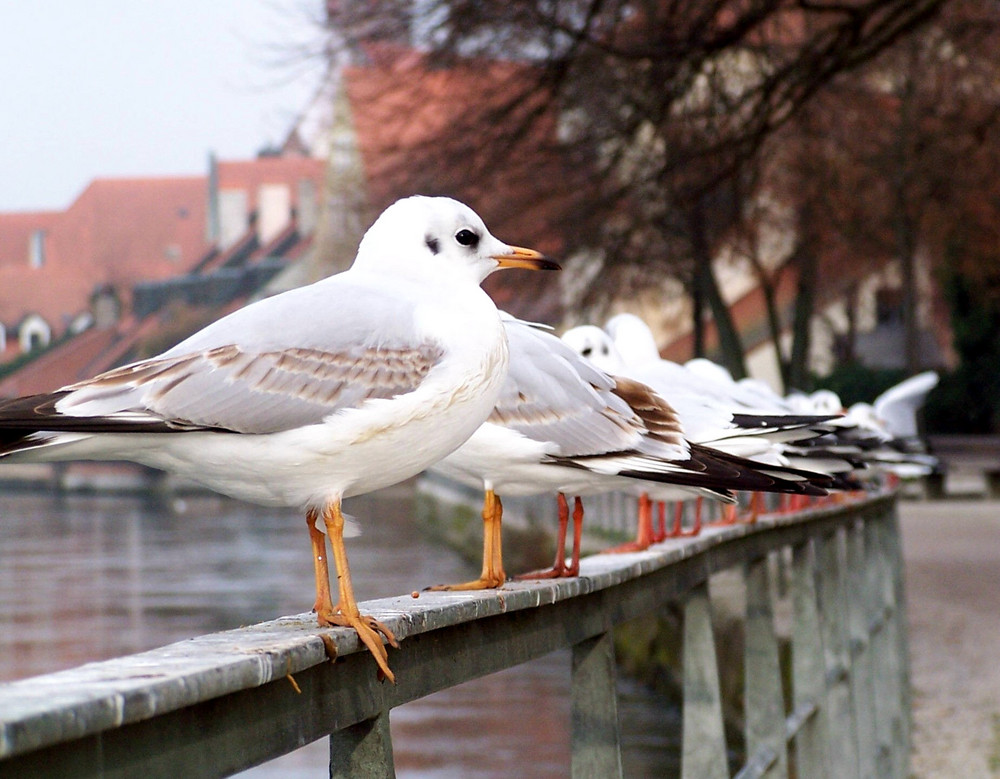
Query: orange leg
x=696, y=527
x=730, y=516
x=324, y=603
x=661, y=522
x=345, y=613
x=644, y=531
x=574, y=565
x=492, y=576
x=558, y=568
x=678, y=527
x=756, y=507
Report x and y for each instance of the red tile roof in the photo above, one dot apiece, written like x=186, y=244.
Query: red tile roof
x=122, y=231
x=99, y=349
x=60, y=365
x=118, y=231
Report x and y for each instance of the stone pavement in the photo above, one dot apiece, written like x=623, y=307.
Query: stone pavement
x=952, y=554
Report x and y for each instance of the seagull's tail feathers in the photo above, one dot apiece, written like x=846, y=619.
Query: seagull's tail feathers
x=23, y=423
x=704, y=468
x=33, y=423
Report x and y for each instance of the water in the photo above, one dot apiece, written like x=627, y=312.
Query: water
x=86, y=578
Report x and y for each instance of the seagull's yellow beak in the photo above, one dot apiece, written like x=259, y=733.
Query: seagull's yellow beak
x=528, y=259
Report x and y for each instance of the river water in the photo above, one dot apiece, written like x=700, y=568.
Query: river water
x=89, y=577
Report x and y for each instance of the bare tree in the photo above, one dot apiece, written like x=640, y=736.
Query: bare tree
x=652, y=109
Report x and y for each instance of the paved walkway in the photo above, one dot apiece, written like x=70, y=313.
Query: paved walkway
x=952, y=553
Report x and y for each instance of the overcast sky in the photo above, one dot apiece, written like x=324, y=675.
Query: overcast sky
x=95, y=88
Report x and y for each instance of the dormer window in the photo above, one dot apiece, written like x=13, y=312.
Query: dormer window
x=34, y=333
x=36, y=249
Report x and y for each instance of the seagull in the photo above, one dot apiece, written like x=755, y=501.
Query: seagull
x=898, y=405
x=561, y=425
x=339, y=388
x=553, y=405
x=709, y=412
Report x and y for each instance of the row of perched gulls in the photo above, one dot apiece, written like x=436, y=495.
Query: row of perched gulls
x=403, y=363
x=600, y=411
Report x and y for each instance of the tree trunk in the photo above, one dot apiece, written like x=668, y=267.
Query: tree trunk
x=911, y=329
x=708, y=288
x=769, y=288
x=697, y=316
x=805, y=299
x=903, y=224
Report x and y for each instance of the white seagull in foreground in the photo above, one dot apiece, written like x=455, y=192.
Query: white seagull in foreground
x=336, y=389
x=561, y=425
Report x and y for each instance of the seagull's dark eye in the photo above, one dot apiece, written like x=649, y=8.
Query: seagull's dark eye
x=467, y=238
x=586, y=351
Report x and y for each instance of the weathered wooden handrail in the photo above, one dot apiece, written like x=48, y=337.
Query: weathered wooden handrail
x=216, y=704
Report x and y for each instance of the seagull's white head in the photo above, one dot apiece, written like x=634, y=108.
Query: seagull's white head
x=593, y=344
x=437, y=237
x=826, y=402
x=863, y=415
x=633, y=338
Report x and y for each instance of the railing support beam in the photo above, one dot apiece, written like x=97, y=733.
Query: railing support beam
x=596, y=739
x=363, y=751
x=764, y=708
x=832, y=599
x=902, y=645
x=859, y=588
x=703, y=750
x=808, y=666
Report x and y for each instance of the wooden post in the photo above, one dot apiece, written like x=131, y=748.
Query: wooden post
x=764, y=706
x=890, y=661
x=703, y=750
x=596, y=740
x=884, y=693
x=831, y=597
x=808, y=667
x=861, y=661
x=992, y=483
x=934, y=486
x=363, y=751
x=902, y=644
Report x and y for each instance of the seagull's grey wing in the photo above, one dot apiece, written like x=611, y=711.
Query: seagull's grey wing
x=235, y=389
x=269, y=367
x=552, y=395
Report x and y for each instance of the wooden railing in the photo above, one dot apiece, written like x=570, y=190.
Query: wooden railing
x=220, y=703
